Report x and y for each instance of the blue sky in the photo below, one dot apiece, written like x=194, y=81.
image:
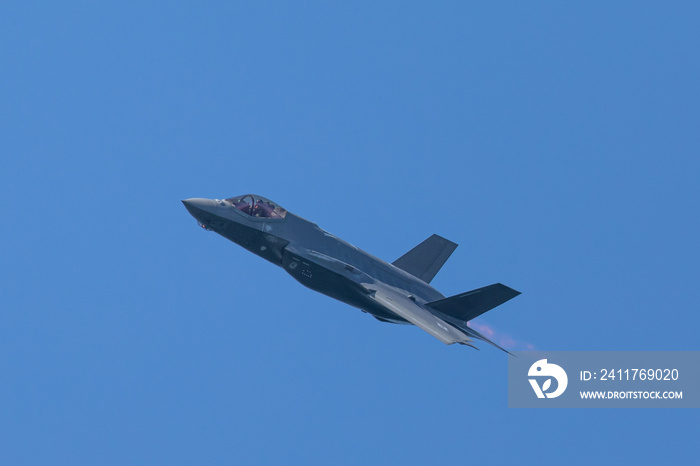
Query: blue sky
x=557, y=144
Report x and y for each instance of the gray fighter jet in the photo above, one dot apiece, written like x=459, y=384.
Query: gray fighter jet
x=398, y=293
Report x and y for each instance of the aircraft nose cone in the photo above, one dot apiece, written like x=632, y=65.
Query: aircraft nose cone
x=198, y=206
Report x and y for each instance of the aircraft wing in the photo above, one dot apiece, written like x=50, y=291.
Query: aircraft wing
x=405, y=307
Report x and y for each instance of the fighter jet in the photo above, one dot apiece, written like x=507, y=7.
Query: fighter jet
x=399, y=292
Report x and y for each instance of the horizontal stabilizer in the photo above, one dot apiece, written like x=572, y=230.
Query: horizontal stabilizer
x=425, y=260
x=471, y=304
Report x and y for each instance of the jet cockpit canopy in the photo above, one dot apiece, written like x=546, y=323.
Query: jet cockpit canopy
x=257, y=206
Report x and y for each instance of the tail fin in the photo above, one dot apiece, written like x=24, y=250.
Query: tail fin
x=425, y=260
x=471, y=304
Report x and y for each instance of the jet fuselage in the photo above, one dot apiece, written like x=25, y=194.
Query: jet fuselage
x=399, y=292
x=314, y=257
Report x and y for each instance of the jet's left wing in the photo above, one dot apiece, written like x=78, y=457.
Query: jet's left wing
x=405, y=307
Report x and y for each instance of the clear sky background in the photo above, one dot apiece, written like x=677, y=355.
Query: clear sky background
x=556, y=142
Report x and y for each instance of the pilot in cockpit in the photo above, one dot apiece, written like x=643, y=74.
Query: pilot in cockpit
x=262, y=209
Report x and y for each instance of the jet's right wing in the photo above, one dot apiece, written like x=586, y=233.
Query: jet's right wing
x=403, y=306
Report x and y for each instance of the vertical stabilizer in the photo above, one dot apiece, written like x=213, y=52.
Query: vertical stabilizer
x=425, y=260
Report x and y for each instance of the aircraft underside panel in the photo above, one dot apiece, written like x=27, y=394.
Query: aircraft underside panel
x=265, y=245
x=324, y=275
